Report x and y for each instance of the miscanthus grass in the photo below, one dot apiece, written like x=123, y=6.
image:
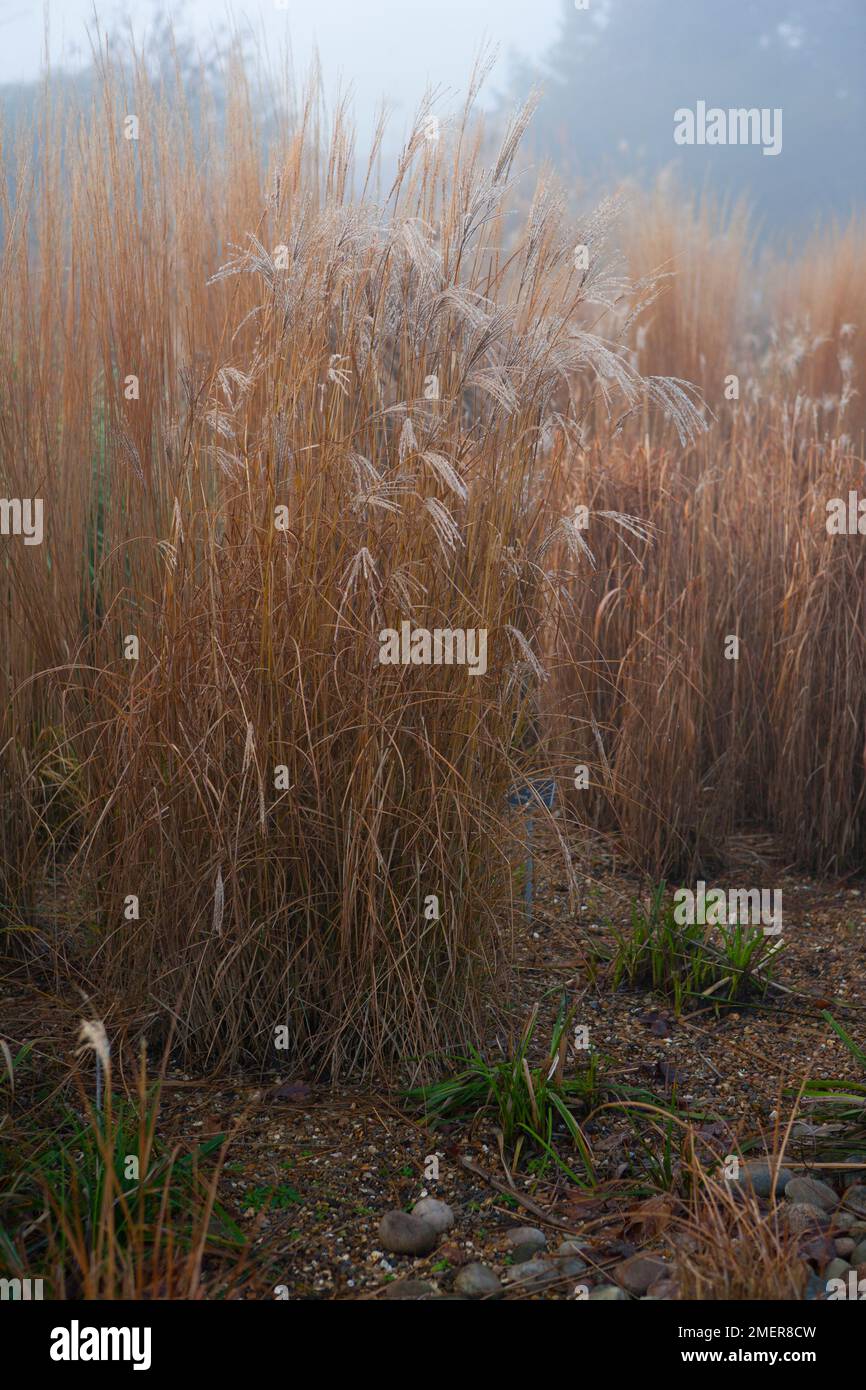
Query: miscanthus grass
x=274, y=408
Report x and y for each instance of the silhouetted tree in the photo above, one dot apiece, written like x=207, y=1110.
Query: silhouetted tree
x=619, y=70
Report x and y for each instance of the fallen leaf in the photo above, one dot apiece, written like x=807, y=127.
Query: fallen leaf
x=649, y=1219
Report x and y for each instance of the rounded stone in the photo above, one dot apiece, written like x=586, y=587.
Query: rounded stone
x=404, y=1234
x=522, y=1253
x=477, y=1281
x=607, y=1293
x=520, y=1236
x=636, y=1275
x=438, y=1215
x=799, y=1216
x=571, y=1247
x=813, y=1192
x=757, y=1175
x=534, y=1275
x=410, y=1288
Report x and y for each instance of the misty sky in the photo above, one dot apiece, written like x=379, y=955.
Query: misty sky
x=389, y=48
x=612, y=75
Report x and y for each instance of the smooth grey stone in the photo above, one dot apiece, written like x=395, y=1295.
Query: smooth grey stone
x=800, y=1216
x=410, y=1288
x=572, y=1247
x=438, y=1215
x=526, y=1235
x=522, y=1253
x=534, y=1274
x=477, y=1281
x=813, y=1192
x=757, y=1176
x=404, y=1234
x=637, y=1273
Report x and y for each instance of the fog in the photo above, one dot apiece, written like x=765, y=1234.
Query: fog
x=391, y=49
x=615, y=76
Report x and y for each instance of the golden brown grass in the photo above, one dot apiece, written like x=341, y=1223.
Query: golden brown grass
x=79, y=1217
x=282, y=807
x=688, y=744
x=734, y=1252
x=346, y=413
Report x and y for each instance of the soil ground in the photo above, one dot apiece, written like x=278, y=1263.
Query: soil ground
x=311, y=1169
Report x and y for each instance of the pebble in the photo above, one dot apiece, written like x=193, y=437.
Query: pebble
x=521, y=1253
x=477, y=1281
x=637, y=1273
x=799, y=1216
x=855, y=1199
x=572, y=1247
x=607, y=1293
x=410, y=1288
x=852, y=1178
x=438, y=1215
x=813, y=1192
x=534, y=1274
x=858, y=1254
x=845, y=1246
x=836, y=1269
x=405, y=1234
x=757, y=1175
x=521, y=1236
